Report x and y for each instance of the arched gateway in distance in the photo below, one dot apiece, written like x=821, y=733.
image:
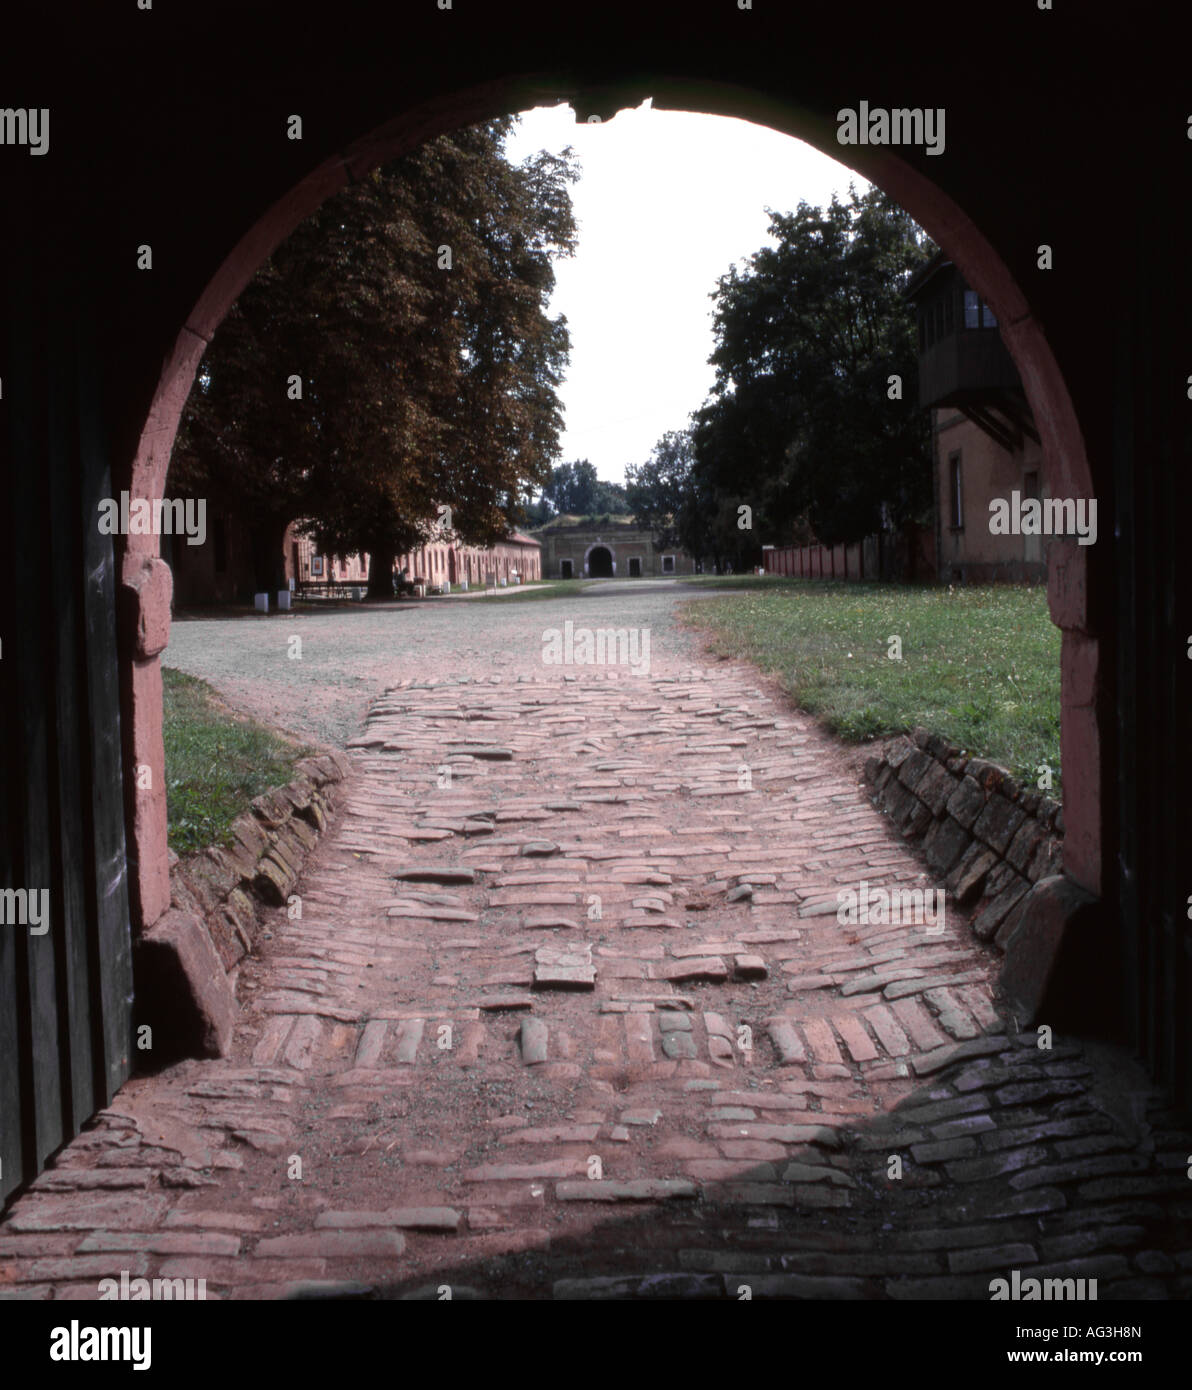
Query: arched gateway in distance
x=600, y=563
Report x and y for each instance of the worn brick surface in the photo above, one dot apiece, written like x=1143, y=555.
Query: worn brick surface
x=399, y=1101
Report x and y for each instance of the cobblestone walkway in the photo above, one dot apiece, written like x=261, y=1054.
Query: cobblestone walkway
x=568, y=1012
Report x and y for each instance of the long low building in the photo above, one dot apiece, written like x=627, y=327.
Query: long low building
x=222, y=568
x=518, y=558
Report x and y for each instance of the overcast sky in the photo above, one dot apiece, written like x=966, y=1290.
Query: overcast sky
x=666, y=202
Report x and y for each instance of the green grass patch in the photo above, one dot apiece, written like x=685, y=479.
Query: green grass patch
x=741, y=581
x=980, y=665
x=216, y=763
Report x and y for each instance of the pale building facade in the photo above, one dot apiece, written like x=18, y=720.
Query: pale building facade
x=615, y=547
x=516, y=559
x=973, y=470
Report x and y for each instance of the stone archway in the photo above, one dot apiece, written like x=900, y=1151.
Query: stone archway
x=599, y=562
x=103, y=348
x=146, y=577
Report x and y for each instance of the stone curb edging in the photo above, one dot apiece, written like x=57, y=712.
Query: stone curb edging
x=183, y=961
x=988, y=837
x=223, y=884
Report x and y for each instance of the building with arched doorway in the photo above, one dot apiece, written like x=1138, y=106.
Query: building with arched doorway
x=607, y=547
x=514, y=560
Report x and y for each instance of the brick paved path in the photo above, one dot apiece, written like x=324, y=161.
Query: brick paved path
x=568, y=1013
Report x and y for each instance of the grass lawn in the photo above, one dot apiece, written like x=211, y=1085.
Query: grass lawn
x=216, y=762
x=980, y=666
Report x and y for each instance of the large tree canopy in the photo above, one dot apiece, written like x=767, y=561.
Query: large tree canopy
x=663, y=496
x=803, y=424
x=671, y=496
x=394, y=355
x=576, y=489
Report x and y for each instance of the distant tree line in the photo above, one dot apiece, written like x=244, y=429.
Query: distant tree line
x=575, y=490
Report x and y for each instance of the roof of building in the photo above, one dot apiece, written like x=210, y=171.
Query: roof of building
x=520, y=538
x=603, y=520
x=927, y=271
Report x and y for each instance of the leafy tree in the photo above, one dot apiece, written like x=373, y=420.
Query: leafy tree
x=575, y=489
x=411, y=307
x=538, y=512
x=662, y=492
x=669, y=496
x=800, y=425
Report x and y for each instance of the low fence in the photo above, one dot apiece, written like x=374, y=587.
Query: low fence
x=908, y=554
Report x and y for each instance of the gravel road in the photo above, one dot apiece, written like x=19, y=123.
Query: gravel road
x=350, y=654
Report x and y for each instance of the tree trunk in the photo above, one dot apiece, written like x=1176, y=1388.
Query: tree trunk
x=267, y=539
x=381, y=558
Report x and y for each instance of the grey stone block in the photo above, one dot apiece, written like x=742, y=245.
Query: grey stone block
x=1056, y=952
x=995, y=912
x=897, y=753
x=918, y=821
x=913, y=769
x=182, y=992
x=1023, y=845
x=967, y=802
x=998, y=822
x=968, y=875
x=935, y=788
x=1048, y=860
x=896, y=801
x=945, y=844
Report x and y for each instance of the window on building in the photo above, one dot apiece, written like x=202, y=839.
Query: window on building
x=957, y=492
x=316, y=566
x=972, y=309
x=977, y=314
x=668, y=564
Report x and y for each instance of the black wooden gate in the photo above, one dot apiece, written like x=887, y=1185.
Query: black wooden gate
x=65, y=991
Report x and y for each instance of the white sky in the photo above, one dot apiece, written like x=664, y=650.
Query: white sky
x=666, y=202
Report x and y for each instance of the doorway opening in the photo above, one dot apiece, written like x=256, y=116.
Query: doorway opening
x=600, y=562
